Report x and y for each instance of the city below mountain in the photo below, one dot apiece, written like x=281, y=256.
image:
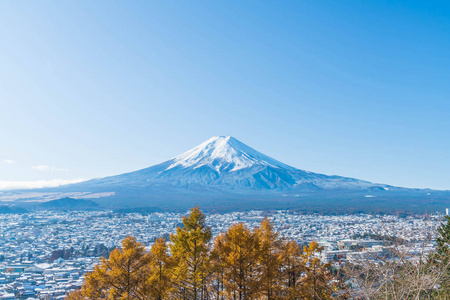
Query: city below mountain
x=225, y=174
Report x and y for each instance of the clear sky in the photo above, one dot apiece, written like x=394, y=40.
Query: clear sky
x=353, y=88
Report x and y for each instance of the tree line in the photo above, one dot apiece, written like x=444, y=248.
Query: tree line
x=237, y=264
x=245, y=264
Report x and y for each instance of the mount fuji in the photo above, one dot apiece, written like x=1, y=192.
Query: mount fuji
x=226, y=164
x=224, y=173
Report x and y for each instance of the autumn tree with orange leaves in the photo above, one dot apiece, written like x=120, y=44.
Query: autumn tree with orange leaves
x=123, y=276
x=239, y=264
x=316, y=282
x=293, y=267
x=190, y=247
x=238, y=250
x=161, y=266
x=270, y=260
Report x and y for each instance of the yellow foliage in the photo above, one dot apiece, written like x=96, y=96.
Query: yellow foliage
x=316, y=281
x=243, y=264
x=238, y=251
x=123, y=276
x=293, y=265
x=190, y=251
x=270, y=260
x=160, y=275
x=76, y=295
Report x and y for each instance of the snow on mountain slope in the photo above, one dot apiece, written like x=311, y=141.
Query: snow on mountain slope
x=224, y=154
x=227, y=164
x=225, y=174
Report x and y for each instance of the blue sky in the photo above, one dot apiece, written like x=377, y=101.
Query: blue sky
x=96, y=88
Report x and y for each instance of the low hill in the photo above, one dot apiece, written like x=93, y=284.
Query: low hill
x=11, y=210
x=68, y=204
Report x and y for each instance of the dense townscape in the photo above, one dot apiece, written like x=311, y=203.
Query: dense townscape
x=45, y=254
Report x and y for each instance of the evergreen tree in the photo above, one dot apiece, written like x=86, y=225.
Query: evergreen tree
x=441, y=258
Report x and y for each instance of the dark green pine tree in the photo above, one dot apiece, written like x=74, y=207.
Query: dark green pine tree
x=441, y=257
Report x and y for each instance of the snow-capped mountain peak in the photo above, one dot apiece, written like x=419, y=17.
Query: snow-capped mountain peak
x=226, y=164
x=225, y=174
x=223, y=153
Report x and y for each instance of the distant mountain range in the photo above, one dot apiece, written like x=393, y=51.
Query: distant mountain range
x=225, y=174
